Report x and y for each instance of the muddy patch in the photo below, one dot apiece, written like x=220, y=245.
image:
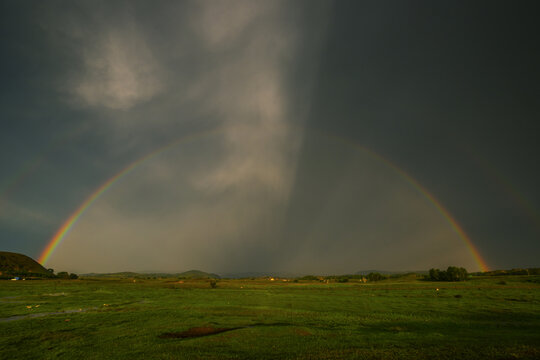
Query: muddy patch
x=302, y=332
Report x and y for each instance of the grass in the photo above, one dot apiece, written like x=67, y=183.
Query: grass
x=393, y=319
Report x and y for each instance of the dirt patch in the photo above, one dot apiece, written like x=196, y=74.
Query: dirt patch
x=302, y=332
x=195, y=332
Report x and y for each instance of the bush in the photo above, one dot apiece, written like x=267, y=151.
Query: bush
x=213, y=284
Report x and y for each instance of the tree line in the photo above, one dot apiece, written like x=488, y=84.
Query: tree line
x=453, y=273
x=6, y=275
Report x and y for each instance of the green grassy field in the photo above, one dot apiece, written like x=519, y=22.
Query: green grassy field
x=484, y=318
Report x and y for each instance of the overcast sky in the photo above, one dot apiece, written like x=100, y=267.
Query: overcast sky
x=301, y=130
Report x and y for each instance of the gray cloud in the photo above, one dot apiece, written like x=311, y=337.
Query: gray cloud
x=119, y=72
x=247, y=169
x=251, y=187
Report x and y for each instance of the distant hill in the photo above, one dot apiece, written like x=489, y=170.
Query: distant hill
x=124, y=274
x=385, y=272
x=191, y=274
x=197, y=274
x=261, y=274
x=14, y=264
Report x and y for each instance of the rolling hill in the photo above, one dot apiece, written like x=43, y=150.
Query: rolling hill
x=197, y=274
x=191, y=274
x=14, y=264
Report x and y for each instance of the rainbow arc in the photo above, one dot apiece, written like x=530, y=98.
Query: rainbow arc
x=62, y=232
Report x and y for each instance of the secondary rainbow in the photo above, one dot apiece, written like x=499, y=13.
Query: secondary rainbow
x=30, y=166
x=504, y=183
x=72, y=220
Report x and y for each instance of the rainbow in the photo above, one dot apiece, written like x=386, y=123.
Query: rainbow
x=16, y=179
x=75, y=216
x=453, y=223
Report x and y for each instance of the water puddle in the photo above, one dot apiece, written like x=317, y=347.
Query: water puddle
x=37, y=315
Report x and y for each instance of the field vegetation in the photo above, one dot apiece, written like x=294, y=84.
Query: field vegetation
x=401, y=317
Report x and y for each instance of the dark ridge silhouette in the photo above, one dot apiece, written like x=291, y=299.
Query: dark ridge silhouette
x=14, y=264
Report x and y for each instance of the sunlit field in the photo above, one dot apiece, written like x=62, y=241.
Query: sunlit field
x=483, y=318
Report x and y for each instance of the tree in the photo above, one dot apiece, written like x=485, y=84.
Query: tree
x=456, y=274
x=434, y=274
x=452, y=274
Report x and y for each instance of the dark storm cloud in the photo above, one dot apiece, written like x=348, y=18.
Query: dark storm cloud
x=446, y=91
x=138, y=77
x=432, y=86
